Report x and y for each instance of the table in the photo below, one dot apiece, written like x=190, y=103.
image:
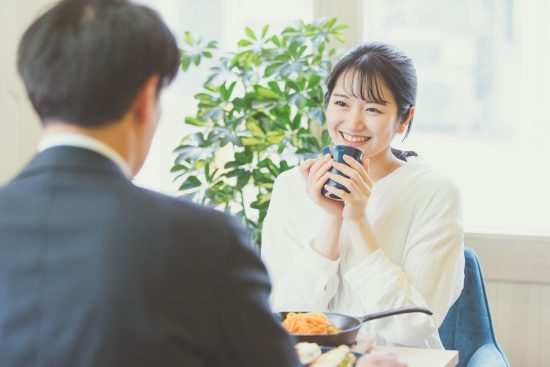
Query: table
x=418, y=357
x=414, y=357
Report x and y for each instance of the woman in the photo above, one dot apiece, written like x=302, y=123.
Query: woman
x=396, y=239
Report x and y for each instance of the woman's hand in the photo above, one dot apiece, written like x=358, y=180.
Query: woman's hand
x=315, y=172
x=358, y=184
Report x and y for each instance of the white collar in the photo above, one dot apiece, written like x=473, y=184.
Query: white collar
x=85, y=142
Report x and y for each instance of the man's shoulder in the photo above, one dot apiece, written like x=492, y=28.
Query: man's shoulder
x=180, y=209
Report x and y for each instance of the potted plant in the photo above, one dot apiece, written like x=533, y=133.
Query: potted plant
x=260, y=112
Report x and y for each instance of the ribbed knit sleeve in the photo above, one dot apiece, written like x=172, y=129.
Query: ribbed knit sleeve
x=430, y=275
x=302, y=279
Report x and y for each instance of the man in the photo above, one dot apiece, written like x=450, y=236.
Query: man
x=95, y=271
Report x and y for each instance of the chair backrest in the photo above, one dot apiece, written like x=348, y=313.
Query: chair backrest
x=468, y=326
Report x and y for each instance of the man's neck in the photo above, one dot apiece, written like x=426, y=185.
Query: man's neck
x=114, y=135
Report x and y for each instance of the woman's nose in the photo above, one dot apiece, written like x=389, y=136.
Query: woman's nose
x=356, y=119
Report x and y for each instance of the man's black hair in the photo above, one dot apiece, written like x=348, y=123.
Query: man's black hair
x=83, y=61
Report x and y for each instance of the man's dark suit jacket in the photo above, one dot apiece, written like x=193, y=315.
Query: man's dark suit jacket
x=95, y=271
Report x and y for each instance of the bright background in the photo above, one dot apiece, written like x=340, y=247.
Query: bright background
x=483, y=77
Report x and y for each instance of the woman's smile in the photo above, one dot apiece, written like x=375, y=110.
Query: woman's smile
x=354, y=139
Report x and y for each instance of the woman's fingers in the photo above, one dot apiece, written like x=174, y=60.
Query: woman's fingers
x=354, y=183
x=354, y=188
x=361, y=169
x=319, y=183
x=313, y=169
x=347, y=170
x=305, y=167
x=315, y=173
x=322, y=170
x=340, y=193
x=319, y=162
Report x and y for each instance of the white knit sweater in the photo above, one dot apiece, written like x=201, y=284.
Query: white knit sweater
x=416, y=217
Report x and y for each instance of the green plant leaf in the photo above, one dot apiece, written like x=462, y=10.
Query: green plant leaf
x=244, y=157
x=253, y=127
x=251, y=141
x=275, y=87
x=177, y=168
x=230, y=90
x=340, y=37
x=188, y=38
x=331, y=22
x=190, y=183
x=296, y=121
x=314, y=81
x=250, y=33
x=244, y=43
x=242, y=180
x=185, y=62
x=283, y=166
x=266, y=93
x=275, y=137
x=339, y=27
x=264, y=30
x=272, y=69
x=275, y=40
x=325, y=138
x=203, y=96
x=192, y=152
x=234, y=173
x=194, y=121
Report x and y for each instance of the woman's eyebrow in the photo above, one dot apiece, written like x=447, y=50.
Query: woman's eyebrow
x=382, y=103
x=341, y=95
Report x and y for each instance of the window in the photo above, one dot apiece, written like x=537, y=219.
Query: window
x=481, y=109
x=220, y=20
x=481, y=115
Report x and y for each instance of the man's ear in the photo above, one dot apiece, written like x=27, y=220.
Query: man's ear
x=405, y=122
x=145, y=103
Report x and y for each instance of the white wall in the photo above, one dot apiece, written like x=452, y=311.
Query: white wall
x=518, y=287
x=348, y=12
x=19, y=127
x=521, y=321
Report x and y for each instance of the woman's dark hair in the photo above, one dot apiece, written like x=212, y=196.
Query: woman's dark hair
x=83, y=61
x=373, y=65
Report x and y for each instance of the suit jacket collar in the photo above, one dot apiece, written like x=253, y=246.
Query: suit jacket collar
x=68, y=158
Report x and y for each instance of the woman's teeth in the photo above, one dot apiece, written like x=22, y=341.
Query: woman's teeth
x=354, y=138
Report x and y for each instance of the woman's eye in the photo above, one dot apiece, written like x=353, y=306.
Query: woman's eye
x=372, y=109
x=340, y=103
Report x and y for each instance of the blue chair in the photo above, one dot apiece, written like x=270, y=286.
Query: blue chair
x=468, y=327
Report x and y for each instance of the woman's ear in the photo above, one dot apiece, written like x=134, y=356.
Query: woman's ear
x=406, y=121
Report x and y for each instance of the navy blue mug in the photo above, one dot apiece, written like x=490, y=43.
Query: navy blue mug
x=337, y=152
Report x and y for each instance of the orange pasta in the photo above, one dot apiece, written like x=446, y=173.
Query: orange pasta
x=309, y=323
